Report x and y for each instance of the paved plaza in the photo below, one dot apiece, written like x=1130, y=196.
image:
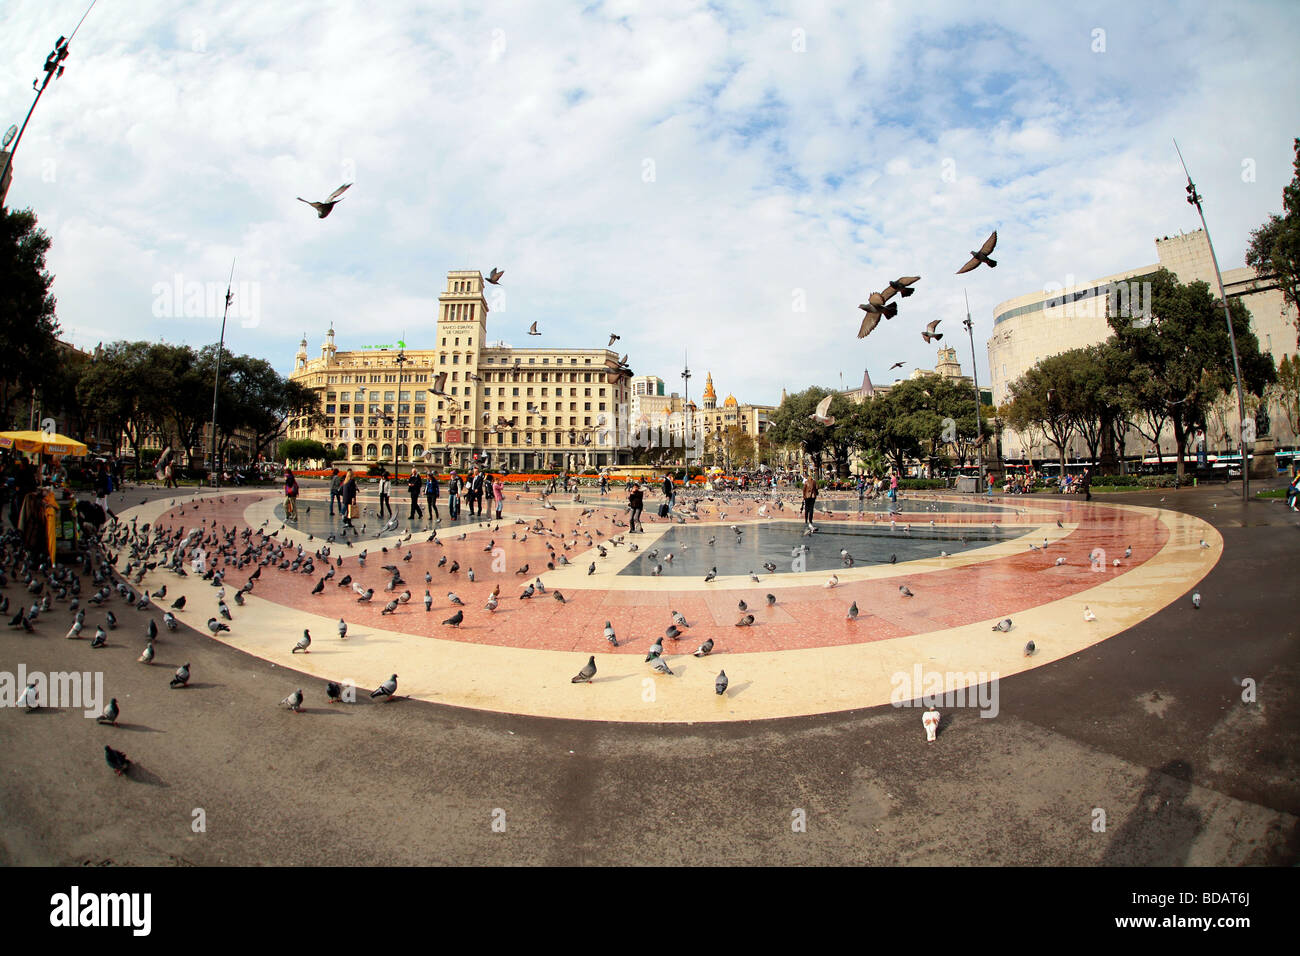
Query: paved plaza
x=1138, y=712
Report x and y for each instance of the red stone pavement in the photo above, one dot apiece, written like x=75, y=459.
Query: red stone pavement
x=803, y=617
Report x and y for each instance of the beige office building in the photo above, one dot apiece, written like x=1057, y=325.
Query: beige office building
x=519, y=409
x=1073, y=315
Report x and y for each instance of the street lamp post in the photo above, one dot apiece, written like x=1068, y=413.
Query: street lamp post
x=975, y=375
x=216, y=378
x=1194, y=199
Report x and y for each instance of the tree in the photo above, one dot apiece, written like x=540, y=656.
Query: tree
x=792, y=422
x=1049, y=396
x=29, y=326
x=116, y=387
x=1287, y=391
x=303, y=449
x=1185, y=351
x=1274, y=247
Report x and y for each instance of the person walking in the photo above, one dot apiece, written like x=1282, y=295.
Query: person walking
x=604, y=485
x=1086, y=484
x=635, y=503
x=431, y=492
x=862, y=492
x=499, y=493
x=453, y=496
x=102, y=486
x=169, y=480
x=336, y=490
x=476, y=491
x=290, y=495
x=1293, y=492
x=413, y=487
x=670, y=491
x=348, y=495
x=809, y=500
x=384, y=501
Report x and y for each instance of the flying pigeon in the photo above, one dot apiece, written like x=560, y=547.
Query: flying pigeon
x=902, y=286
x=982, y=256
x=387, y=689
x=588, y=671
x=532, y=329
x=495, y=275
x=324, y=208
x=720, y=685
x=897, y=365
x=930, y=332
x=822, y=415
x=294, y=701
x=612, y=339
x=304, y=642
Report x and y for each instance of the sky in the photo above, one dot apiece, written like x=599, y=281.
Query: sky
x=723, y=180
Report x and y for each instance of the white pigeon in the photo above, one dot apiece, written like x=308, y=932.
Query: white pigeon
x=29, y=698
x=1088, y=615
x=832, y=581
x=822, y=415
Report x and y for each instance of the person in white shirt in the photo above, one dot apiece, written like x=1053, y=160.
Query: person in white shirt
x=930, y=721
x=383, y=495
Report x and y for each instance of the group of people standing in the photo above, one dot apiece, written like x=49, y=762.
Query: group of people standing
x=472, y=489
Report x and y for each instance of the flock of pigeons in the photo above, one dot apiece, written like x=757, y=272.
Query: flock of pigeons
x=878, y=305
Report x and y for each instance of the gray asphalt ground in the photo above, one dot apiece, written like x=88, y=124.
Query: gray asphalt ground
x=1148, y=727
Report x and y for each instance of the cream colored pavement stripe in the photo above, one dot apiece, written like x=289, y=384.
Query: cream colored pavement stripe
x=763, y=685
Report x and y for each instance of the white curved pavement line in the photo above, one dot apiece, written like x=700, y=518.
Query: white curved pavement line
x=763, y=685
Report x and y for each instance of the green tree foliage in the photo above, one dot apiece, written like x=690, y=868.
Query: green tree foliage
x=1274, y=247
x=1185, y=352
x=28, y=325
x=303, y=449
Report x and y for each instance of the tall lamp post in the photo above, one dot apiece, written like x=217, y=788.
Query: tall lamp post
x=1194, y=199
x=687, y=418
x=216, y=378
x=975, y=374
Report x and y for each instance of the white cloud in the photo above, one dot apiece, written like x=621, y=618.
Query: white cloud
x=516, y=136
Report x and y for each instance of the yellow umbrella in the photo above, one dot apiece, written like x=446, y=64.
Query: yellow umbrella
x=47, y=443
